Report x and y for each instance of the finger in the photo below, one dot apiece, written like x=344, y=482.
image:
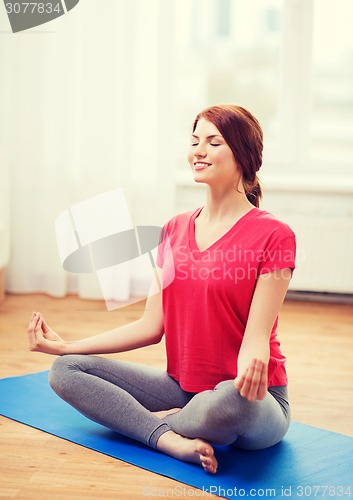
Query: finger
x=38, y=330
x=34, y=319
x=32, y=324
x=45, y=327
x=35, y=315
x=262, y=392
x=35, y=322
x=30, y=328
x=255, y=381
x=247, y=381
x=239, y=381
x=32, y=332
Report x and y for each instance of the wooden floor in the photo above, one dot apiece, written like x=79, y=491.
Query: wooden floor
x=318, y=342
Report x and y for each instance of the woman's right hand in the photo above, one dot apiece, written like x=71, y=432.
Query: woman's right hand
x=41, y=338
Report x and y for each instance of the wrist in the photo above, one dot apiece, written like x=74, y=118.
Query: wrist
x=62, y=348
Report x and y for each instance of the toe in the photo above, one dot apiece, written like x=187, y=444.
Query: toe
x=208, y=464
x=205, y=450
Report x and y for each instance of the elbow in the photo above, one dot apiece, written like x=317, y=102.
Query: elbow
x=157, y=337
x=153, y=325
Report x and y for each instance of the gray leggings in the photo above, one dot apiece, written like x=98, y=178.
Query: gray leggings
x=122, y=395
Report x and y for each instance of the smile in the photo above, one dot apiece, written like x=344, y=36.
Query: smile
x=201, y=165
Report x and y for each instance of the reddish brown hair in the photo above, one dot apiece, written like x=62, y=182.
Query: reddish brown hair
x=243, y=134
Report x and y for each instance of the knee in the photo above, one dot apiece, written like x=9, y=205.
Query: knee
x=60, y=370
x=228, y=413
x=228, y=406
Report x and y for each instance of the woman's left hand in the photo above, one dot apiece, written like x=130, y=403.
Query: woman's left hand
x=252, y=384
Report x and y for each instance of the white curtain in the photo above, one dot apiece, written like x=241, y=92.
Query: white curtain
x=88, y=106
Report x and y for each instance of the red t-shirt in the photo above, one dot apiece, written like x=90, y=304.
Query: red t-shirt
x=207, y=295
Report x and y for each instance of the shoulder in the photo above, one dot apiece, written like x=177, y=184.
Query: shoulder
x=270, y=224
x=180, y=220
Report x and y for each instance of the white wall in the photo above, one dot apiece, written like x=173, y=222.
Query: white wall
x=4, y=211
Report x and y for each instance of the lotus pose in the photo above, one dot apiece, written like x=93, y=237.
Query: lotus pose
x=225, y=269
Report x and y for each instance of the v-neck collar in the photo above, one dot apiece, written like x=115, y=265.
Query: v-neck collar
x=192, y=239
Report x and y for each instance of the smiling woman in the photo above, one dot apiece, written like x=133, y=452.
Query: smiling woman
x=225, y=381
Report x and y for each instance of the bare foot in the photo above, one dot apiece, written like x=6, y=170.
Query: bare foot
x=164, y=413
x=188, y=450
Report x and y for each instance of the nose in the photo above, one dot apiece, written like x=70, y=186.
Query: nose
x=200, y=151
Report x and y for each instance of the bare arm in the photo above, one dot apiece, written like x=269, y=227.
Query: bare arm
x=254, y=353
x=145, y=331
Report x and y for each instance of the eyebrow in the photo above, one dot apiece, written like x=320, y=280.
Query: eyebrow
x=208, y=137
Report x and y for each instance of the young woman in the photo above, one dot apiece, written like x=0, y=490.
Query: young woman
x=225, y=381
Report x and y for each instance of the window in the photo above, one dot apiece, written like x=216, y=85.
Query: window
x=290, y=62
x=331, y=128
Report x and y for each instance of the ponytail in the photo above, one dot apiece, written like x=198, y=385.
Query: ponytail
x=254, y=192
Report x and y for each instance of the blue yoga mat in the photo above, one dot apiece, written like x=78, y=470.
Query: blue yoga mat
x=308, y=463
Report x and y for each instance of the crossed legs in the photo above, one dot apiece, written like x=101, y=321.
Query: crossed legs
x=127, y=397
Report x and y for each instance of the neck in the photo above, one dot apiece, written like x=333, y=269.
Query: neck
x=222, y=206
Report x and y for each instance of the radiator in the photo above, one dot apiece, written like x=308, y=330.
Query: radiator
x=324, y=253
